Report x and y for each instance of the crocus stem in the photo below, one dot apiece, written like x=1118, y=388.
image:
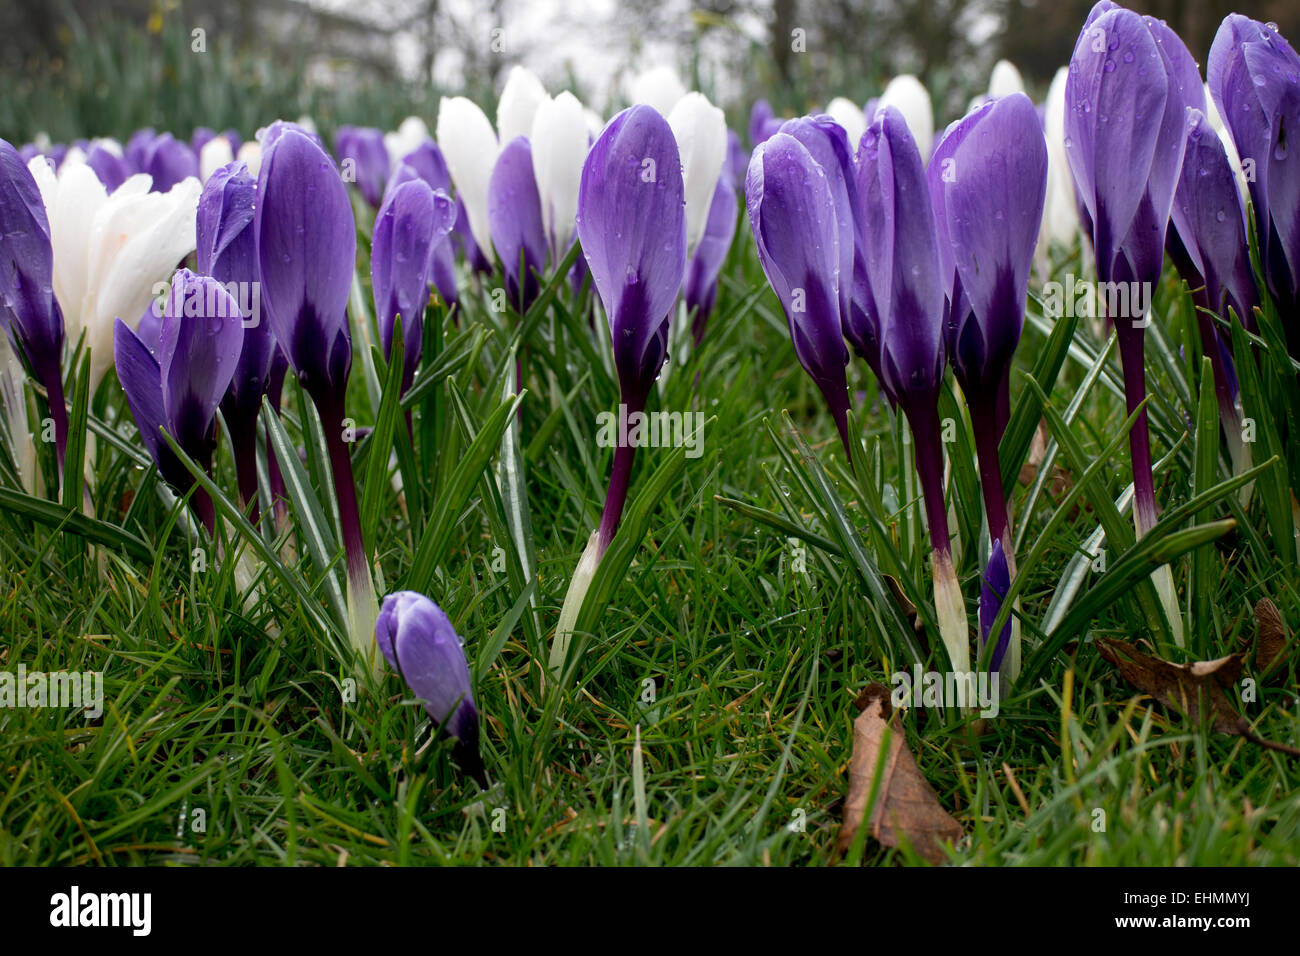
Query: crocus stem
x=59, y=413
x=1212, y=346
x=1145, y=511
x=243, y=441
x=201, y=502
x=948, y=604
x=363, y=610
x=615, y=499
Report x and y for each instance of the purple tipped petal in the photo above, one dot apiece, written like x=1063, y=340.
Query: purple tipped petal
x=793, y=216
x=412, y=220
x=420, y=643
x=306, y=249
x=364, y=160
x=701, y=286
x=515, y=221
x=202, y=333
x=138, y=371
x=632, y=225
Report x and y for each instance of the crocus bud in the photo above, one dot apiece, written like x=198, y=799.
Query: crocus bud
x=30, y=315
x=906, y=94
x=849, y=115
x=518, y=105
x=169, y=161
x=364, y=160
x=409, y=136
x=105, y=158
x=111, y=250
x=515, y=218
x=794, y=219
x=1061, y=205
x=216, y=152
x=559, y=141
x=413, y=220
x=701, y=132
x=180, y=387
x=701, y=286
x=737, y=162
x=1254, y=77
x=421, y=645
x=426, y=165
x=763, y=123
x=137, y=147
x=470, y=146
x=1005, y=80
x=658, y=88
x=993, y=591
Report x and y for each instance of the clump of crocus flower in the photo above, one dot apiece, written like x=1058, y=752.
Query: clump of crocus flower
x=421, y=645
x=632, y=227
x=988, y=180
x=306, y=249
x=177, y=383
x=1130, y=85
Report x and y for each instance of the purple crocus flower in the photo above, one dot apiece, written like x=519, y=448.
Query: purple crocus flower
x=108, y=166
x=364, y=160
x=306, y=252
x=179, y=387
x=763, y=123
x=429, y=164
x=168, y=161
x=996, y=584
x=419, y=642
x=795, y=220
x=1131, y=81
x=411, y=223
x=442, y=257
x=227, y=252
x=1254, y=77
x=464, y=237
x=700, y=290
x=201, y=137
x=632, y=225
x=1208, y=245
x=737, y=161
x=28, y=310
x=902, y=258
x=988, y=182
x=137, y=149
x=515, y=222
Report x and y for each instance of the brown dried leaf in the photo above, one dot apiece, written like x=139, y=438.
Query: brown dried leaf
x=1271, y=642
x=905, y=805
x=909, y=611
x=1181, y=686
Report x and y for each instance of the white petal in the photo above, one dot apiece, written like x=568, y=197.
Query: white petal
x=470, y=147
x=658, y=87
x=906, y=94
x=559, y=140
x=251, y=154
x=215, y=153
x=1005, y=80
x=522, y=95
x=849, y=115
x=410, y=134
x=701, y=131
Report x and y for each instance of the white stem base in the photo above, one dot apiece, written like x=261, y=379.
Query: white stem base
x=951, y=612
x=573, y=599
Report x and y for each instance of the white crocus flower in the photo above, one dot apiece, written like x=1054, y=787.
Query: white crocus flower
x=1005, y=80
x=701, y=132
x=1229, y=147
x=470, y=146
x=1060, y=210
x=250, y=153
x=110, y=251
x=520, y=98
x=409, y=135
x=907, y=95
x=215, y=153
x=849, y=115
x=559, y=139
x=595, y=124
x=658, y=87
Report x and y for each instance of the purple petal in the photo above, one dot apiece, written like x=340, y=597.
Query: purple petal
x=996, y=584
x=364, y=160
x=110, y=168
x=515, y=222
x=168, y=161
x=701, y=286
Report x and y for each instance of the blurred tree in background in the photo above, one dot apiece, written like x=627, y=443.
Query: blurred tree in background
x=74, y=68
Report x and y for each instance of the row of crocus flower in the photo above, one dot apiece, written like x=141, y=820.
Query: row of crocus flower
x=917, y=267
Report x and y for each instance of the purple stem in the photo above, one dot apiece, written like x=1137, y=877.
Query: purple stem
x=345, y=487
x=59, y=412
x=201, y=502
x=1211, y=346
x=1132, y=342
x=620, y=477
x=923, y=417
x=986, y=422
x=243, y=439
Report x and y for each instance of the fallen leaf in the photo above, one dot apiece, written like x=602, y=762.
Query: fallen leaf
x=905, y=806
x=1181, y=686
x=1271, y=642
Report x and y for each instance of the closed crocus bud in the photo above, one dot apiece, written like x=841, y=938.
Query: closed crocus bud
x=421, y=645
x=30, y=315
x=700, y=289
x=1254, y=77
x=515, y=218
x=996, y=583
x=363, y=160
x=411, y=222
x=1005, y=80
x=659, y=88
x=902, y=259
x=181, y=386
x=169, y=161
x=110, y=251
x=216, y=152
x=137, y=149
x=1061, y=206
x=849, y=115
x=227, y=252
x=517, y=107
x=559, y=142
x=792, y=213
x=426, y=165
x=701, y=132
x=105, y=158
x=409, y=136
x=470, y=147
x=906, y=94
